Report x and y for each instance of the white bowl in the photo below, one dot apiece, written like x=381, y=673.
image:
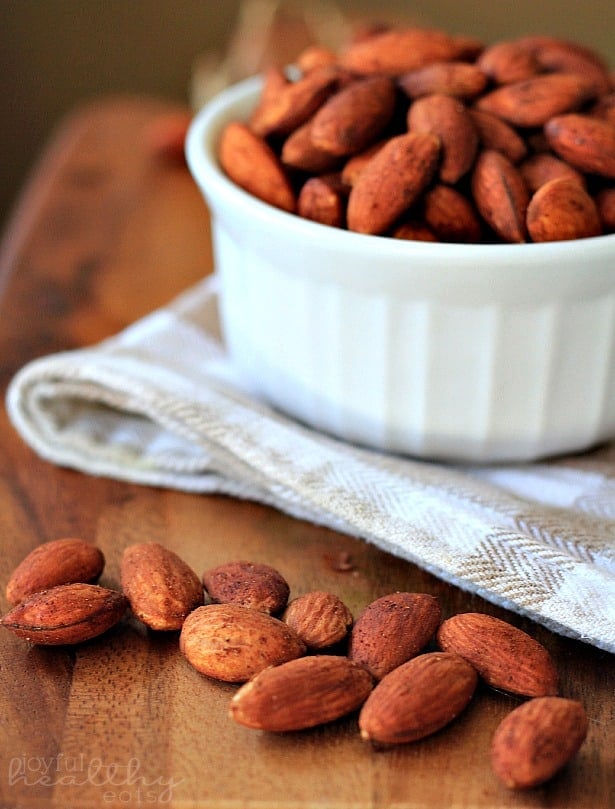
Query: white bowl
x=442, y=351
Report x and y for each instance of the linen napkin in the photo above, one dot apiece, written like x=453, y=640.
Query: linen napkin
x=161, y=404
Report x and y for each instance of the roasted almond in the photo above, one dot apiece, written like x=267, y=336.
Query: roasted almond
x=60, y=561
x=66, y=614
x=458, y=79
x=538, y=169
x=496, y=134
x=352, y=119
x=561, y=209
x=586, y=142
x=500, y=195
x=505, y=657
x=417, y=699
x=415, y=231
x=253, y=165
x=301, y=694
x=161, y=588
x=507, y=62
x=233, y=643
x=450, y=215
x=323, y=199
x=320, y=619
x=249, y=584
x=392, y=181
x=535, y=740
x=392, y=629
x=299, y=152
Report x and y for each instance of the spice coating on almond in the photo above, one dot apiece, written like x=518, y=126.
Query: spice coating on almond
x=417, y=699
x=535, y=740
x=60, y=561
x=66, y=614
x=393, y=629
x=301, y=694
x=233, y=643
x=505, y=657
x=320, y=619
x=161, y=588
x=249, y=584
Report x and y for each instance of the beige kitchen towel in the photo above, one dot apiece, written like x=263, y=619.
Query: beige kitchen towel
x=160, y=404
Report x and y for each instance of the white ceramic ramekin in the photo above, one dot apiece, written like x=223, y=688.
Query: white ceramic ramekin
x=453, y=352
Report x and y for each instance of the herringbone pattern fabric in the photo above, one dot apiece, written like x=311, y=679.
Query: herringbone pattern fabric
x=160, y=405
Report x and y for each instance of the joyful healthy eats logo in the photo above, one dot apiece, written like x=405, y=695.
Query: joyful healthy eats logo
x=119, y=782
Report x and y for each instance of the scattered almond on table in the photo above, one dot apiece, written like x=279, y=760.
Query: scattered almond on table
x=305, y=661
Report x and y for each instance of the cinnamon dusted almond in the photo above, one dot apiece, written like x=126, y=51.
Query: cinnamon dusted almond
x=586, y=142
x=538, y=169
x=249, y=584
x=417, y=699
x=323, y=199
x=500, y=195
x=161, y=588
x=355, y=164
x=392, y=629
x=561, y=209
x=320, y=619
x=448, y=119
x=60, y=561
x=354, y=117
x=301, y=694
x=251, y=163
x=535, y=740
x=458, y=79
x=233, y=643
x=450, y=215
x=391, y=182
x=496, y=134
x=66, y=614
x=299, y=152
x=505, y=657
x=507, y=62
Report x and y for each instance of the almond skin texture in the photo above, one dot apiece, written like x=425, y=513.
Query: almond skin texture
x=251, y=163
x=539, y=168
x=323, y=200
x=161, y=588
x=450, y=215
x=353, y=118
x=232, y=643
x=585, y=142
x=417, y=699
x=249, y=584
x=301, y=694
x=299, y=152
x=531, y=103
x=449, y=120
x=66, y=614
x=508, y=62
x=500, y=195
x=391, y=181
x=536, y=740
x=505, y=657
x=393, y=629
x=457, y=79
x=560, y=210
x=61, y=561
x=496, y=134
x=320, y=619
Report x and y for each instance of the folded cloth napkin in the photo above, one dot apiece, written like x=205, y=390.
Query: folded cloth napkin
x=160, y=404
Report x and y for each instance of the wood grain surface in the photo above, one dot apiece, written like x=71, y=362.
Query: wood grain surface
x=104, y=233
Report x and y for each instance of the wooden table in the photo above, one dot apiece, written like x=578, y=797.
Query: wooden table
x=104, y=233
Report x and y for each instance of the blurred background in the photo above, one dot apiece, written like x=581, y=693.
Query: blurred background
x=56, y=54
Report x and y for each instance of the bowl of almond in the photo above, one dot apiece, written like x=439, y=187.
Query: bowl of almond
x=415, y=240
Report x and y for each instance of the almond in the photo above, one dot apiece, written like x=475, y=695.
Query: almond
x=566, y=57
x=355, y=164
x=299, y=152
x=161, y=588
x=417, y=699
x=393, y=629
x=536, y=740
x=354, y=117
x=253, y=165
x=508, y=62
x=60, y=561
x=450, y=215
x=496, y=134
x=500, y=195
x=604, y=108
x=415, y=231
x=323, y=199
x=587, y=143
x=249, y=584
x=505, y=657
x=400, y=50
x=391, y=181
x=448, y=119
x=532, y=102
x=233, y=643
x=301, y=694
x=457, y=79
x=66, y=614
x=561, y=209
x=539, y=168
x=314, y=56
x=320, y=619
x=605, y=202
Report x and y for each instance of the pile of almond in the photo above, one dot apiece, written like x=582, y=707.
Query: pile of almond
x=305, y=661
x=417, y=134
